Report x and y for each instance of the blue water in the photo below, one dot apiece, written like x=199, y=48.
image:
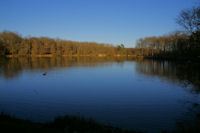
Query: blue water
x=122, y=94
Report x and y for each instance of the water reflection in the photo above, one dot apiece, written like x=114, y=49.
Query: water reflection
x=187, y=74
x=144, y=95
x=13, y=67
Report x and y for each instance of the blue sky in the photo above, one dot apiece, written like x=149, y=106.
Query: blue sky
x=104, y=21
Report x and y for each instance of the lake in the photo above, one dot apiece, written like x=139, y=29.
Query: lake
x=144, y=95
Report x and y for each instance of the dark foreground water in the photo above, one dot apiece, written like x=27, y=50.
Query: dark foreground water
x=143, y=95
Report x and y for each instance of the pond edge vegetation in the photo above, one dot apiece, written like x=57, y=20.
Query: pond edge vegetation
x=64, y=124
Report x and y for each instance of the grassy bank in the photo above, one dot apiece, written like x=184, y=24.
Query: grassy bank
x=67, y=124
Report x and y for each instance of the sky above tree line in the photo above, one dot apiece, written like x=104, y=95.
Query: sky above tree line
x=104, y=21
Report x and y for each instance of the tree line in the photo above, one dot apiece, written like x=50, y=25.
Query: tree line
x=13, y=44
x=180, y=44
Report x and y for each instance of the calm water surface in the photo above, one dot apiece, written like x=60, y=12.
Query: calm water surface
x=143, y=95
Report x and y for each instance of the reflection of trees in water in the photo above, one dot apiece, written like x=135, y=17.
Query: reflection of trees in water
x=12, y=67
x=186, y=74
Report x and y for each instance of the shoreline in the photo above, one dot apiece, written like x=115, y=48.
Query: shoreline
x=51, y=55
x=62, y=124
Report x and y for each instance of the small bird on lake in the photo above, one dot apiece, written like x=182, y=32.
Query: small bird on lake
x=45, y=73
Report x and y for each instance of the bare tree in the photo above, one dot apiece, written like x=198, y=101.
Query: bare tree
x=189, y=19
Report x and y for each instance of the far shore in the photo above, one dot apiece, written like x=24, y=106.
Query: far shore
x=52, y=55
